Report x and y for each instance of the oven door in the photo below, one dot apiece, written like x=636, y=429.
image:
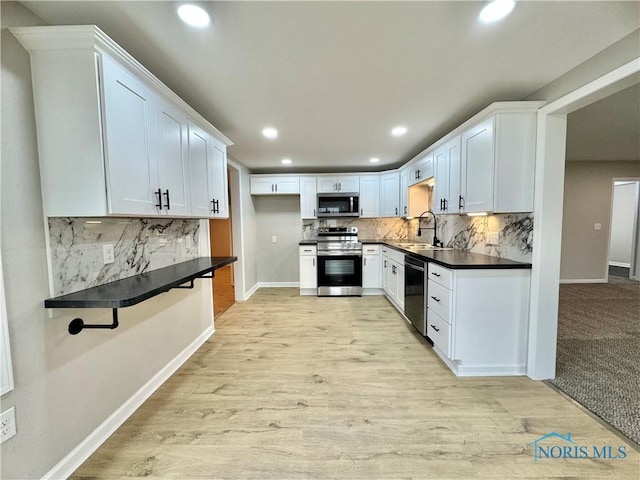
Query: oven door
x=339, y=275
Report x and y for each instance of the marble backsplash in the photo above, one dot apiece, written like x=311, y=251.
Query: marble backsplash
x=139, y=245
x=515, y=232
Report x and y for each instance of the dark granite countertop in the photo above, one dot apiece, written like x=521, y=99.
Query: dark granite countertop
x=454, y=259
x=132, y=290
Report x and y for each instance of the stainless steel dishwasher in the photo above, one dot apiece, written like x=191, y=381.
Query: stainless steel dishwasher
x=415, y=292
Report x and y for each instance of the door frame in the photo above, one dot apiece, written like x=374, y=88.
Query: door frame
x=547, y=212
x=237, y=230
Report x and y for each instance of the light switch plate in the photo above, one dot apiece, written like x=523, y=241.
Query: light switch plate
x=597, y=226
x=108, y=253
x=274, y=239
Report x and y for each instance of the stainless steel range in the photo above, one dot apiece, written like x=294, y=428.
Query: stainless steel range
x=339, y=262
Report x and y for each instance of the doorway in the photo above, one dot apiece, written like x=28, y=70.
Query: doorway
x=623, y=237
x=221, y=245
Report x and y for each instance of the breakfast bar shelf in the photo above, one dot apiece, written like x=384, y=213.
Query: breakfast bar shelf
x=133, y=290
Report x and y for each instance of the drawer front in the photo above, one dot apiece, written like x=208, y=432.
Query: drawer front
x=394, y=255
x=439, y=300
x=441, y=275
x=440, y=332
x=370, y=249
x=308, y=250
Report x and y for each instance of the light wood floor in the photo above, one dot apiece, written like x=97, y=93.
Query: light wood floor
x=294, y=387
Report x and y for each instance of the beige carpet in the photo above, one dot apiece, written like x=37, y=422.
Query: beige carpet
x=598, y=360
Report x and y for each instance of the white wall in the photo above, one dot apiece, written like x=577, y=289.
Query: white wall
x=587, y=200
x=65, y=386
x=279, y=216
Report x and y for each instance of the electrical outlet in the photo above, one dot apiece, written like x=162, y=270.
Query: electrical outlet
x=108, y=254
x=187, y=241
x=597, y=226
x=7, y=424
x=493, y=238
x=274, y=239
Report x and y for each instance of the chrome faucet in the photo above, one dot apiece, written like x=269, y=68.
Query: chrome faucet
x=435, y=226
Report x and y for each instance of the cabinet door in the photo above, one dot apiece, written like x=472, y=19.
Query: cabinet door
x=218, y=192
x=477, y=167
x=262, y=185
x=128, y=129
x=392, y=271
x=371, y=271
x=287, y=185
x=308, y=197
x=400, y=285
x=390, y=195
x=172, y=155
x=349, y=184
x=453, y=158
x=404, y=193
x=441, y=185
x=370, y=196
x=308, y=271
x=385, y=273
x=327, y=184
x=199, y=158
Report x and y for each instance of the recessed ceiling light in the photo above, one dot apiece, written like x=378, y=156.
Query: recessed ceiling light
x=270, y=132
x=286, y=161
x=496, y=10
x=193, y=15
x=398, y=131
x=374, y=160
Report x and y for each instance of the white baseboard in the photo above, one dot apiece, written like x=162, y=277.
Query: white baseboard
x=278, y=284
x=583, y=280
x=619, y=264
x=253, y=290
x=79, y=455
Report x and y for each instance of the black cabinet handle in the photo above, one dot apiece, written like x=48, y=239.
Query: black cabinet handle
x=385, y=264
x=166, y=194
x=446, y=204
x=396, y=211
x=435, y=298
x=435, y=274
x=215, y=206
x=435, y=328
x=159, y=204
x=418, y=174
x=460, y=202
x=405, y=209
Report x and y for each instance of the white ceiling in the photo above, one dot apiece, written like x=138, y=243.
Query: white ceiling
x=606, y=130
x=335, y=77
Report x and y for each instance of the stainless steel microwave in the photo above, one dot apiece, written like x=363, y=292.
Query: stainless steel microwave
x=338, y=205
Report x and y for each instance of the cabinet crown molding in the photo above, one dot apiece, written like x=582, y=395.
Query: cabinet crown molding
x=90, y=37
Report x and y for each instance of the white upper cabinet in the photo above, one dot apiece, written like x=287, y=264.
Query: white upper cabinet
x=497, y=163
x=421, y=170
x=208, y=175
x=446, y=190
x=273, y=185
x=390, y=194
x=218, y=187
x=346, y=183
x=370, y=196
x=173, y=160
x=112, y=139
x=477, y=168
x=128, y=109
x=404, y=192
x=308, y=197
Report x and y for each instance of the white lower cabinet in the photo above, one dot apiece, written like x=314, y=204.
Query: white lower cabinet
x=393, y=276
x=478, y=319
x=371, y=269
x=308, y=270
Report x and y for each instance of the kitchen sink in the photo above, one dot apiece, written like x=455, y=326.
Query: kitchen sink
x=420, y=246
